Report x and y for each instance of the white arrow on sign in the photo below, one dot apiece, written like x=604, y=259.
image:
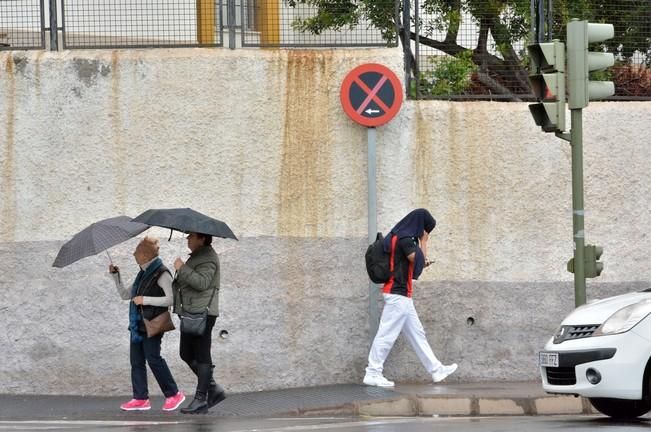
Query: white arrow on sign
x=372, y=111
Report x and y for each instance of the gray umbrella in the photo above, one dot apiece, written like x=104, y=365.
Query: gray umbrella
x=185, y=220
x=97, y=238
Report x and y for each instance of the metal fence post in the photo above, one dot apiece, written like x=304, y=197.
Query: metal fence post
x=540, y=21
x=550, y=20
x=406, y=28
x=417, y=48
x=231, y=21
x=54, y=31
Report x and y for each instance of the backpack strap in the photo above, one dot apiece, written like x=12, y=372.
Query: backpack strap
x=394, y=240
x=388, y=285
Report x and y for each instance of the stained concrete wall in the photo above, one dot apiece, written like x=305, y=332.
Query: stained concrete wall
x=257, y=138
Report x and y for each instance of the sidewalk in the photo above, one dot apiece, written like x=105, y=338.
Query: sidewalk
x=466, y=399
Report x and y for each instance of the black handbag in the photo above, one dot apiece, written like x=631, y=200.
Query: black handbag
x=194, y=324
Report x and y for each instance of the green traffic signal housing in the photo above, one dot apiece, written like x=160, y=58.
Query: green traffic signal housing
x=593, y=267
x=547, y=78
x=581, y=62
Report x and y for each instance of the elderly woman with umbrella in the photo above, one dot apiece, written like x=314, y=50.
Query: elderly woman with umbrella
x=150, y=295
x=196, y=289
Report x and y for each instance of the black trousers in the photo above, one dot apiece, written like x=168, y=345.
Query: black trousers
x=196, y=349
x=148, y=352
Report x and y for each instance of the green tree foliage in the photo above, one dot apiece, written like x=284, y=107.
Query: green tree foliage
x=449, y=76
x=501, y=25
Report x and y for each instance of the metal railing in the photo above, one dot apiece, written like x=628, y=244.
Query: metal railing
x=470, y=53
x=141, y=23
x=475, y=50
x=458, y=49
x=22, y=24
x=631, y=44
x=96, y=24
x=287, y=23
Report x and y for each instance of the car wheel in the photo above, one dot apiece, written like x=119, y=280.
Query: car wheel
x=621, y=408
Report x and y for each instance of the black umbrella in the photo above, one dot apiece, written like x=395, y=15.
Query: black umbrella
x=97, y=238
x=185, y=220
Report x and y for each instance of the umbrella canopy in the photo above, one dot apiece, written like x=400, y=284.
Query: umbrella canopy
x=97, y=238
x=185, y=220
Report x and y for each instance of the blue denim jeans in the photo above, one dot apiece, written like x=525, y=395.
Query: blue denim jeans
x=148, y=352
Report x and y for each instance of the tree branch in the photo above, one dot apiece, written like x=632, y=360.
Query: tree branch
x=496, y=87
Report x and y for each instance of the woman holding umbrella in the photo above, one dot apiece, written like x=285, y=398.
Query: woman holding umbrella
x=196, y=289
x=150, y=295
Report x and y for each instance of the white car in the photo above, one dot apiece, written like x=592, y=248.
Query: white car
x=602, y=351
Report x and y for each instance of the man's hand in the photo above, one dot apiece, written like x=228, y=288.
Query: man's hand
x=178, y=263
x=423, y=246
x=113, y=269
x=138, y=300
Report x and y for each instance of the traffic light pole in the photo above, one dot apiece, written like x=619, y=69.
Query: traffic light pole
x=578, y=212
x=547, y=77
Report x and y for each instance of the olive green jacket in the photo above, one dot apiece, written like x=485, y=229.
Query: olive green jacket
x=195, y=282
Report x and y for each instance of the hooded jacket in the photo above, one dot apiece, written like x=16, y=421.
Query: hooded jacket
x=412, y=226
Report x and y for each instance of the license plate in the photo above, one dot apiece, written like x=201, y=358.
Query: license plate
x=548, y=359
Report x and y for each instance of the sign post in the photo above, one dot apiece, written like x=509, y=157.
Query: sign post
x=371, y=95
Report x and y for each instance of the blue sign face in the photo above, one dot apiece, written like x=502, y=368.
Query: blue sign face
x=371, y=95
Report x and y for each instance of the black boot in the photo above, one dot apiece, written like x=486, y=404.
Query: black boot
x=199, y=404
x=216, y=393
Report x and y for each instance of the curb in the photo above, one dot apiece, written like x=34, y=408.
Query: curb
x=429, y=406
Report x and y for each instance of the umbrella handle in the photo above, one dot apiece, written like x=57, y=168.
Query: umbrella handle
x=181, y=245
x=111, y=261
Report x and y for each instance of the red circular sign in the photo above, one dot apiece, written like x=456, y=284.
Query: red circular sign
x=371, y=94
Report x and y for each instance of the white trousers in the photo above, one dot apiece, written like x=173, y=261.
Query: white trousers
x=399, y=315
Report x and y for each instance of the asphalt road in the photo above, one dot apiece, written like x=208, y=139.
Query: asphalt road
x=332, y=424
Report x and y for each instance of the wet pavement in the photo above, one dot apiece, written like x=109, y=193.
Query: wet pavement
x=458, y=399
x=318, y=406
x=342, y=424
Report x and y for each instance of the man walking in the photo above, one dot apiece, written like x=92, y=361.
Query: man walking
x=407, y=245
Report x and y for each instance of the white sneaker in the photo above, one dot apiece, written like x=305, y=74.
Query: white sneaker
x=377, y=381
x=443, y=372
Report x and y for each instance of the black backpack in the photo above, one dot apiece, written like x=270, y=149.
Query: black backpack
x=378, y=262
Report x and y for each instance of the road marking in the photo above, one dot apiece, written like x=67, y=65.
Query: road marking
x=376, y=421
x=77, y=424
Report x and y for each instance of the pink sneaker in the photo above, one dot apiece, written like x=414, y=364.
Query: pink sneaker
x=136, y=405
x=173, y=402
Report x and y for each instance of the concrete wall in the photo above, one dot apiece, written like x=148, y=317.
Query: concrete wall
x=257, y=138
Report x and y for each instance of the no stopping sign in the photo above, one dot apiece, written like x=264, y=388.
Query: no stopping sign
x=371, y=94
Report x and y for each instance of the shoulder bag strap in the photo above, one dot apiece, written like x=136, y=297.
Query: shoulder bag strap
x=214, y=290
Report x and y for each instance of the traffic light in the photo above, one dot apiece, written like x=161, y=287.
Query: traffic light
x=593, y=267
x=547, y=78
x=580, y=62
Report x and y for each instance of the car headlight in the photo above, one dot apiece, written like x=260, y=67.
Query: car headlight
x=624, y=319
